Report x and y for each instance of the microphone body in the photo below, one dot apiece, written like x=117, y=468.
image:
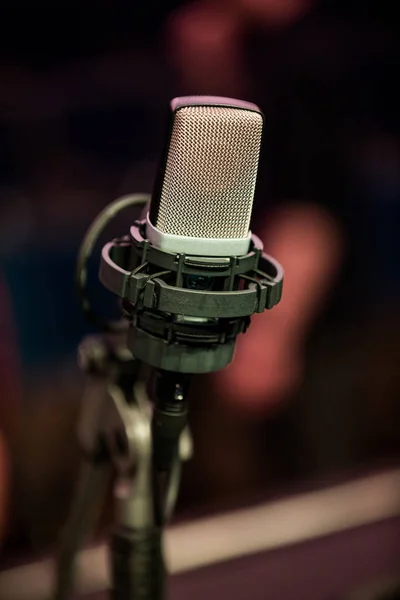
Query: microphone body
x=191, y=273
x=204, y=192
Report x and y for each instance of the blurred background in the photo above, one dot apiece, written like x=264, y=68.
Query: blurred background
x=314, y=391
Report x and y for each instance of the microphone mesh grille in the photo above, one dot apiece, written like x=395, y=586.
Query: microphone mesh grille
x=210, y=173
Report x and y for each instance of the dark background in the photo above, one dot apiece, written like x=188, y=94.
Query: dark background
x=83, y=95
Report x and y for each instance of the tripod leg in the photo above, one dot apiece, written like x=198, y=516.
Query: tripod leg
x=92, y=485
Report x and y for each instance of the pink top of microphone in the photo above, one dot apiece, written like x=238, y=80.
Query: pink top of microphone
x=182, y=101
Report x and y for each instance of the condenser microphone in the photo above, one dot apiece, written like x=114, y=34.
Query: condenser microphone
x=204, y=193
x=191, y=273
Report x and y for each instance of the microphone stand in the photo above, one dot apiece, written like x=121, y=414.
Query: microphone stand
x=118, y=433
x=177, y=326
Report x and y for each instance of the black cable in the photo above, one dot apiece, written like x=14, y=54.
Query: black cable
x=89, y=241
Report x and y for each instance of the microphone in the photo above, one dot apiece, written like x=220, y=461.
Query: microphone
x=204, y=194
x=191, y=273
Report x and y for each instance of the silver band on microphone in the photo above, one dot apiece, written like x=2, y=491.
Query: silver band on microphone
x=196, y=245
